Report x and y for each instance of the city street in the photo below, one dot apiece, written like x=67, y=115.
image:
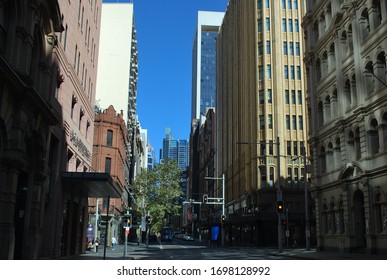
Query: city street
x=193, y=250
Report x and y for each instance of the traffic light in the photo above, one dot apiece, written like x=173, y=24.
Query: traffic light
x=280, y=206
x=148, y=219
x=205, y=198
x=284, y=222
x=129, y=221
x=223, y=218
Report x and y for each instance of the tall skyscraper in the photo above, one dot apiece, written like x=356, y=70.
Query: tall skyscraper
x=347, y=85
x=175, y=149
x=204, y=62
x=260, y=99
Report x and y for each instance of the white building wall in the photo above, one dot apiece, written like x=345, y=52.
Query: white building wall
x=115, y=56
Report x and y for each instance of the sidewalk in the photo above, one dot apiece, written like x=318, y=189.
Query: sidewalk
x=111, y=254
x=313, y=254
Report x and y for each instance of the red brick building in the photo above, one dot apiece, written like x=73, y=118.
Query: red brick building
x=109, y=156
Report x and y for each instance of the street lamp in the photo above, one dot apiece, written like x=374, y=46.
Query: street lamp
x=279, y=187
x=307, y=229
x=223, y=199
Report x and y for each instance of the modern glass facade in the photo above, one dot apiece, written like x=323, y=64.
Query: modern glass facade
x=204, y=62
x=208, y=70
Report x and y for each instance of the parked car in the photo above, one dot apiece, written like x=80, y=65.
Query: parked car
x=188, y=237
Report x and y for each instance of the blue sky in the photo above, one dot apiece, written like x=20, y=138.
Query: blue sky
x=165, y=32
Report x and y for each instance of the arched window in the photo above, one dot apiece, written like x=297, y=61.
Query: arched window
x=344, y=50
x=323, y=160
x=3, y=26
x=378, y=213
x=324, y=64
x=109, y=138
x=337, y=153
x=364, y=24
x=369, y=77
x=324, y=217
x=320, y=114
x=353, y=90
x=318, y=70
x=332, y=217
x=316, y=31
x=384, y=131
x=327, y=108
x=331, y=58
x=380, y=70
x=329, y=156
x=357, y=144
x=347, y=93
x=376, y=13
x=373, y=136
x=351, y=146
x=341, y=217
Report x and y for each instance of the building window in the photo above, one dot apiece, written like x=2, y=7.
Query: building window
x=291, y=48
x=290, y=25
x=289, y=4
x=260, y=28
x=284, y=29
x=298, y=72
x=293, y=97
x=287, y=122
x=300, y=123
x=296, y=25
x=109, y=138
x=259, y=4
x=271, y=169
x=260, y=48
x=108, y=165
x=299, y=97
x=73, y=102
x=268, y=47
x=294, y=122
x=267, y=24
x=286, y=71
x=262, y=122
x=285, y=48
x=269, y=96
x=292, y=73
x=267, y=3
x=261, y=97
x=287, y=97
x=283, y=4
x=260, y=73
x=270, y=121
x=269, y=71
x=297, y=48
x=288, y=148
x=295, y=148
x=295, y=6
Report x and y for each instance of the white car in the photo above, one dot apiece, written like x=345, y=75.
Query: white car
x=188, y=237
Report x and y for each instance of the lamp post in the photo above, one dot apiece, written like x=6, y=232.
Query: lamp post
x=307, y=228
x=279, y=187
x=223, y=199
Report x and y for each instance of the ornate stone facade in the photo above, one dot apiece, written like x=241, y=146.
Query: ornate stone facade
x=345, y=57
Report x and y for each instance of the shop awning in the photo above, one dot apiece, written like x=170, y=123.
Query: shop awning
x=92, y=184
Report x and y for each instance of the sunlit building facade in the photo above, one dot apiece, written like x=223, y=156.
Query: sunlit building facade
x=260, y=100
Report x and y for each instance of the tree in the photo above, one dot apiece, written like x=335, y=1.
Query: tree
x=155, y=190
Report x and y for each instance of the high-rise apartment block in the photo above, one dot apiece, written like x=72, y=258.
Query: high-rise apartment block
x=261, y=117
x=345, y=58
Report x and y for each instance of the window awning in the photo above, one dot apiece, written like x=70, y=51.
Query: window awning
x=93, y=184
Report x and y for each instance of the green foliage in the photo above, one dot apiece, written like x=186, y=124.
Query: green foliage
x=154, y=191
